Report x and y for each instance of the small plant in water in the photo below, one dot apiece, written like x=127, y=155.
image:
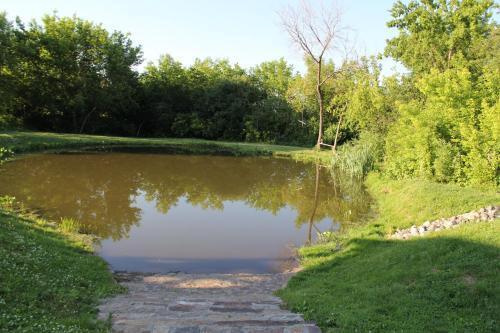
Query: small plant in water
x=7, y=202
x=70, y=225
x=327, y=237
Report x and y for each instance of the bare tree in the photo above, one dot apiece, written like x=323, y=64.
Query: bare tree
x=316, y=33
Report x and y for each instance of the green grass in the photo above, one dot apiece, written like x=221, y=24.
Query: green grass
x=402, y=203
x=21, y=142
x=25, y=142
x=444, y=282
x=50, y=281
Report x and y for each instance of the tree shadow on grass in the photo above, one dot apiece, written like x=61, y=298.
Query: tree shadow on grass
x=435, y=284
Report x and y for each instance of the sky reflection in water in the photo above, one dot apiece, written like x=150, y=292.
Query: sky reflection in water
x=161, y=213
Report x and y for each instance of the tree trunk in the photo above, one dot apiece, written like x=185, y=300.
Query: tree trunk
x=315, y=206
x=139, y=129
x=334, y=148
x=450, y=53
x=319, y=93
x=75, y=125
x=86, y=119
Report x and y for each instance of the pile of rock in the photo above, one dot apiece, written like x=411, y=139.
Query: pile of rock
x=484, y=214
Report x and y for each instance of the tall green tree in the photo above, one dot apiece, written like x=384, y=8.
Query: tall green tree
x=438, y=33
x=7, y=69
x=449, y=132
x=73, y=72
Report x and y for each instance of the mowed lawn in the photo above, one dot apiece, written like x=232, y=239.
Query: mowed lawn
x=445, y=282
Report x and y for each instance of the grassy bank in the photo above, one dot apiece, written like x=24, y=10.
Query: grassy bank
x=25, y=142
x=50, y=281
x=446, y=282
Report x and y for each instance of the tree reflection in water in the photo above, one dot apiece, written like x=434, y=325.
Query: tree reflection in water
x=100, y=190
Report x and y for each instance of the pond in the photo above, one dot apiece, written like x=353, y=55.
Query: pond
x=190, y=213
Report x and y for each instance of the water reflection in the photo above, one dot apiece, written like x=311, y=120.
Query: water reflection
x=148, y=206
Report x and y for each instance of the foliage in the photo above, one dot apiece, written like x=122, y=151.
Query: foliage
x=438, y=33
x=450, y=133
x=451, y=136
x=7, y=79
x=216, y=100
x=69, y=74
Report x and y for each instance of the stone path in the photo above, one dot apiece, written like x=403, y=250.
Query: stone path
x=208, y=303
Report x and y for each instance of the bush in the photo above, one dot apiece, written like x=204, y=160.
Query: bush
x=450, y=136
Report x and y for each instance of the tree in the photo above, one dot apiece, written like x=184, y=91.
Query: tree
x=273, y=77
x=437, y=33
x=449, y=131
x=73, y=74
x=166, y=95
x=315, y=34
x=8, y=57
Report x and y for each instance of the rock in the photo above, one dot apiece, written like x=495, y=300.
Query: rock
x=491, y=212
x=496, y=212
x=484, y=214
x=448, y=224
x=413, y=230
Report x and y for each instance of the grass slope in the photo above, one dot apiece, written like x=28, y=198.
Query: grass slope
x=444, y=282
x=49, y=280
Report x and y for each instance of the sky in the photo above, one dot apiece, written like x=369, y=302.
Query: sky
x=246, y=32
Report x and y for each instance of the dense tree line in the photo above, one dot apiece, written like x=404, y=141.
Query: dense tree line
x=439, y=120
x=70, y=75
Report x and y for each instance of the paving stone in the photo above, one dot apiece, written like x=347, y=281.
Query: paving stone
x=202, y=303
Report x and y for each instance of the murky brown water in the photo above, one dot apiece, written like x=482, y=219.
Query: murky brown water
x=161, y=213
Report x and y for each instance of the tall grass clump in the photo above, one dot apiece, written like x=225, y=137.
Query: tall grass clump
x=360, y=157
x=69, y=225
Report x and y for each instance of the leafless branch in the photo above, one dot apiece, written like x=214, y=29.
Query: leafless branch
x=316, y=33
